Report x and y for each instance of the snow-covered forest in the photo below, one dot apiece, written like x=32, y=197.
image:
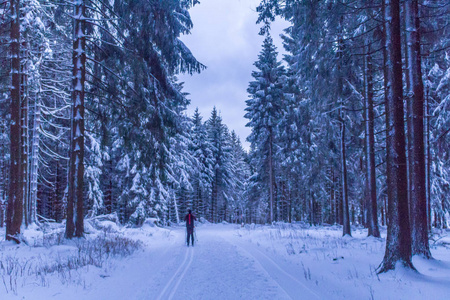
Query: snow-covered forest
x=350, y=136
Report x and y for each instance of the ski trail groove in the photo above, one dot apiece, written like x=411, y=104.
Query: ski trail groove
x=179, y=270
x=281, y=283
x=287, y=274
x=265, y=270
x=186, y=268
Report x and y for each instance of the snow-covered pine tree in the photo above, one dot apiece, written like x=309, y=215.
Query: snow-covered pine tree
x=182, y=167
x=153, y=101
x=203, y=171
x=240, y=178
x=264, y=111
x=218, y=137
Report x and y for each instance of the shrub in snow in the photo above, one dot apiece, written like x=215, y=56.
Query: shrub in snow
x=104, y=246
x=77, y=254
x=52, y=239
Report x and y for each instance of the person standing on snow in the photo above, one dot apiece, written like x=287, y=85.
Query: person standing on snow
x=189, y=218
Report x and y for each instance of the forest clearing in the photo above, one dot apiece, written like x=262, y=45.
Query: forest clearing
x=309, y=139
x=229, y=261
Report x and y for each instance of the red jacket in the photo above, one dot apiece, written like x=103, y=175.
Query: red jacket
x=189, y=218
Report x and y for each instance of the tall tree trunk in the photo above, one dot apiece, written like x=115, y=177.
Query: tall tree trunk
x=271, y=179
x=75, y=215
x=418, y=202
x=333, y=198
x=290, y=200
x=59, y=193
x=340, y=201
x=3, y=177
x=346, y=230
x=365, y=207
x=370, y=147
x=34, y=161
x=15, y=202
x=385, y=89
x=177, y=214
x=346, y=214
x=34, y=151
x=398, y=241
x=24, y=131
x=428, y=161
x=409, y=111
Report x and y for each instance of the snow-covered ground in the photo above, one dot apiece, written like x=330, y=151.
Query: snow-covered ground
x=228, y=262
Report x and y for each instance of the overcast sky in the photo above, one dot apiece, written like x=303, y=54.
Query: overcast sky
x=225, y=38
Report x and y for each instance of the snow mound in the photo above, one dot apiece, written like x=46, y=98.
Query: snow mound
x=151, y=222
x=203, y=220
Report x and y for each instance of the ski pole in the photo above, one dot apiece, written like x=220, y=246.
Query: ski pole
x=195, y=235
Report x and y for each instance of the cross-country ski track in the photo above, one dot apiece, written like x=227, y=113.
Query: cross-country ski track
x=220, y=266
x=281, y=261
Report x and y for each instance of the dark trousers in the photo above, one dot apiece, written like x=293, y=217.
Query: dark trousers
x=190, y=234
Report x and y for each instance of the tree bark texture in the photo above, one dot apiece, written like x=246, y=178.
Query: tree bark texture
x=346, y=213
x=428, y=159
x=24, y=131
x=372, y=216
x=418, y=202
x=15, y=202
x=75, y=215
x=271, y=177
x=409, y=113
x=398, y=241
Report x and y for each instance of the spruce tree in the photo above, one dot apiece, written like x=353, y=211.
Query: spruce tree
x=264, y=111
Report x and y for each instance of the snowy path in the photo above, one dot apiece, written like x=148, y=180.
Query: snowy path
x=178, y=276
x=230, y=262
x=220, y=266
x=290, y=284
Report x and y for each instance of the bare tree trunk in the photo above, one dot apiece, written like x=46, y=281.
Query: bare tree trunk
x=3, y=184
x=24, y=131
x=346, y=214
x=372, y=180
x=398, y=241
x=365, y=207
x=340, y=201
x=332, y=213
x=340, y=87
x=428, y=161
x=75, y=215
x=214, y=195
x=418, y=204
x=177, y=214
x=409, y=113
x=15, y=202
x=290, y=200
x=34, y=159
x=271, y=175
x=34, y=162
